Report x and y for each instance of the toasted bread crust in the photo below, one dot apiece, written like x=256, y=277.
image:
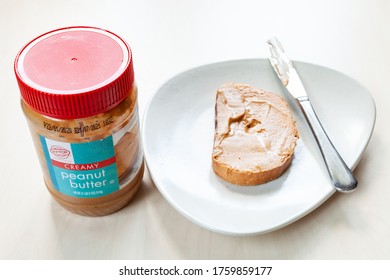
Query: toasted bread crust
x=249, y=177
x=255, y=135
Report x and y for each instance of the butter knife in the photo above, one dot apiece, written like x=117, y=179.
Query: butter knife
x=341, y=176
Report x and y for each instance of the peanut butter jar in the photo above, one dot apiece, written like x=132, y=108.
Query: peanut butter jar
x=79, y=96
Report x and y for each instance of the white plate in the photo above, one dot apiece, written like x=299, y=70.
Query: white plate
x=178, y=131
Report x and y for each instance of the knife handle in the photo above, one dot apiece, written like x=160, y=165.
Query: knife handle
x=340, y=174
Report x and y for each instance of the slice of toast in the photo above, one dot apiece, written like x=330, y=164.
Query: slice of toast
x=255, y=135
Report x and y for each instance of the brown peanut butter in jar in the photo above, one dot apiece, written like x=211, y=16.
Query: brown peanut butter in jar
x=80, y=100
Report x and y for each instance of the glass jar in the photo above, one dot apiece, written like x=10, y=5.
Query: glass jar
x=80, y=99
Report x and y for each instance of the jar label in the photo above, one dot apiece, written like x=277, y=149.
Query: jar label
x=83, y=170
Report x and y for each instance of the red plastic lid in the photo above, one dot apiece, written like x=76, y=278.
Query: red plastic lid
x=74, y=72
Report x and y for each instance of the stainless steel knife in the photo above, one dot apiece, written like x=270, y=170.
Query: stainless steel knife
x=341, y=176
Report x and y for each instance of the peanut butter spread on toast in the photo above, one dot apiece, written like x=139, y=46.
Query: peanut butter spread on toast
x=255, y=135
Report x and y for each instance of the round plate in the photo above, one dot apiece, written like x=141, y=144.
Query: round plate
x=178, y=131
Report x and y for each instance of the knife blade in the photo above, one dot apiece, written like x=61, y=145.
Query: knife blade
x=341, y=176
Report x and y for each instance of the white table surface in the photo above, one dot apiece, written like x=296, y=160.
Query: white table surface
x=168, y=37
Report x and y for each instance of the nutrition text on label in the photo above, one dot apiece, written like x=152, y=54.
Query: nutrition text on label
x=81, y=128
